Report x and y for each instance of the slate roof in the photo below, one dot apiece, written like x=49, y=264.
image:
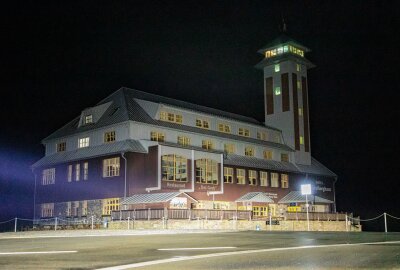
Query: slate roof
x=315, y=168
x=296, y=197
x=90, y=152
x=255, y=197
x=152, y=198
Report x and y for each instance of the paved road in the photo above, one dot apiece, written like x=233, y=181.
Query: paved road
x=229, y=250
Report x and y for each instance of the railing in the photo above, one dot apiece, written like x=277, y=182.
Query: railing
x=316, y=216
x=148, y=214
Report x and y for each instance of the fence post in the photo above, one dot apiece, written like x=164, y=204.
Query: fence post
x=148, y=214
x=128, y=221
x=189, y=214
x=384, y=215
x=55, y=224
x=15, y=225
x=92, y=222
x=346, y=224
x=270, y=221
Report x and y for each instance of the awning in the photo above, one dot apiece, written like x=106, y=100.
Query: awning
x=153, y=198
x=255, y=197
x=296, y=197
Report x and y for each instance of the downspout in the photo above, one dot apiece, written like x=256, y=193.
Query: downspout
x=126, y=163
x=158, y=187
x=192, y=172
x=222, y=180
x=334, y=195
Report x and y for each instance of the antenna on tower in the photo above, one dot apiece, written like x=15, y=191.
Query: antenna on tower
x=283, y=24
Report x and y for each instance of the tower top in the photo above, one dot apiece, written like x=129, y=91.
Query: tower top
x=283, y=48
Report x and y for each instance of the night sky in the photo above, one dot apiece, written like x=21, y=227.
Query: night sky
x=57, y=59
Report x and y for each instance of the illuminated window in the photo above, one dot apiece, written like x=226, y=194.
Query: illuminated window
x=109, y=136
x=260, y=211
x=228, y=175
x=285, y=48
x=267, y=154
x=261, y=135
x=279, y=50
x=241, y=176
x=68, y=210
x=47, y=210
x=83, y=142
x=157, y=136
x=285, y=157
x=277, y=68
x=207, y=144
x=298, y=67
x=77, y=172
x=85, y=170
x=111, y=167
x=206, y=171
x=284, y=180
x=84, y=208
x=277, y=91
x=88, y=119
x=301, y=140
x=75, y=207
x=174, y=168
x=183, y=140
x=202, y=123
x=263, y=179
x=299, y=85
x=274, y=180
x=300, y=111
x=244, y=132
x=224, y=128
x=48, y=176
x=69, y=173
x=252, y=178
x=171, y=117
x=249, y=151
x=110, y=205
x=229, y=148
x=61, y=147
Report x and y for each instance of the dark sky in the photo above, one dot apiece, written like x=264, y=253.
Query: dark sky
x=57, y=59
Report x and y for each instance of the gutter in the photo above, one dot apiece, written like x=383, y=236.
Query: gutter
x=222, y=180
x=192, y=172
x=158, y=187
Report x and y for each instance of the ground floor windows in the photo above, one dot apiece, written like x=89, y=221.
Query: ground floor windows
x=110, y=205
x=174, y=168
x=69, y=173
x=48, y=176
x=111, y=167
x=274, y=180
x=263, y=179
x=284, y=180
x=47, y=210
x=252, y=178
x=77, y=172
x=260, y=211
x=241, y=176
x=228, y=175
x=206, y=171
x=85, y=170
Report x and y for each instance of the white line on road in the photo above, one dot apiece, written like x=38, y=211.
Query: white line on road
x=37, y=252
x=175, y=259
x=198, y=248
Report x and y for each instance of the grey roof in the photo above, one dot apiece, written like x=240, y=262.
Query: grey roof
x=296, y=197
x=152, y=198
x=90, y=152
x=253, y=162
x=255, y=197
x=243, y=161
x=125, y=107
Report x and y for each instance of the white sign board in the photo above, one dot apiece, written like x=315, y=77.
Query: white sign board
x=178, y=203
x=306, y=189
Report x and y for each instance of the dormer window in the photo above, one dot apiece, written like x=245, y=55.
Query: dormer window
x=88, y=119
x=244, y=132
x=171, y=117
x=202, y=123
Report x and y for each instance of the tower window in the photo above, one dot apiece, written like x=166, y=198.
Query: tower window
x=277, y=68
x=300, y=111
x=298, y=67
x=277, y=91
x=301, y=140
x=88, y=119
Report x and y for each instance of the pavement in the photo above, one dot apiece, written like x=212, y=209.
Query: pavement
x=198, y=249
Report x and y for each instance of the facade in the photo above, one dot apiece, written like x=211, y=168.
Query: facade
x=135, y=150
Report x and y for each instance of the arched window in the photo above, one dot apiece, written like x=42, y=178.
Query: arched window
x=174, y=168
x=206, y=171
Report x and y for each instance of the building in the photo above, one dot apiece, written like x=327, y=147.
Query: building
x=135, y=150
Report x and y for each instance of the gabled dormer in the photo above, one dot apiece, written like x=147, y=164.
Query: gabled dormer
x=93, y=114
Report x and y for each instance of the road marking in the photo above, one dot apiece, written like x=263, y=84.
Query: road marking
x=178, y=259
x=198, y=248
x=37, y=252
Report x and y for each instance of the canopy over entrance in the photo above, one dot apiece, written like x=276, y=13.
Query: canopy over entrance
x=297, y=197
x=154, y=198
x=260, y=197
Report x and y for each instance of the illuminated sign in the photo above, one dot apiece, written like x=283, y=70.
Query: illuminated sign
x=306, y=189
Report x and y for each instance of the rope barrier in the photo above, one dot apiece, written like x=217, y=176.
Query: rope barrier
x=364, y=220
x=2, y=222
x=392, y=216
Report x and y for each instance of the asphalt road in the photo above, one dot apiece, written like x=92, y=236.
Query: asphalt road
x=230, y=250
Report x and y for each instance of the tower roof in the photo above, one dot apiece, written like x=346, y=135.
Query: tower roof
x=282, y=40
